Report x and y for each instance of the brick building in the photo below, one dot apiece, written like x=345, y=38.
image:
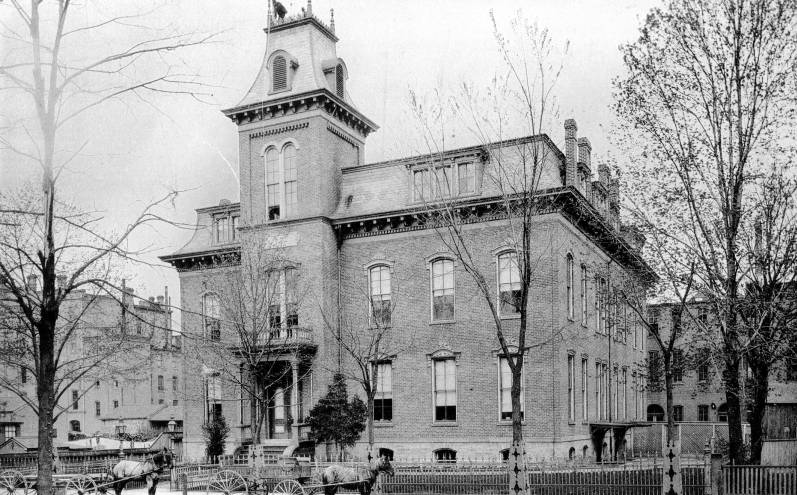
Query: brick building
x=139, y=387
x=349, y=234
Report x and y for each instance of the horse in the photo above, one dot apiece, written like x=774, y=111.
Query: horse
x=336, y=476
x=150, y=468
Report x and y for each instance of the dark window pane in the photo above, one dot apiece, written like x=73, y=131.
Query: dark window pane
x=444, y=307
x=445, y=413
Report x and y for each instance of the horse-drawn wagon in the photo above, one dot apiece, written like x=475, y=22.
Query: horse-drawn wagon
x=295, y=476
x=93, y=479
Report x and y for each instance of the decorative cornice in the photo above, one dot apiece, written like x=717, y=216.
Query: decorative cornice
x=279, y=130
x=204, y=260
x=342, y=135
x=300, y=20
x=318, y=99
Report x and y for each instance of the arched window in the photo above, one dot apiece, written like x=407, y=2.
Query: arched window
x=212, y=316
x=445, y=455
x=508, y=284
x=380, y=292
x=584, y=452
x=655, y=413
x=570, y=291
x=383, y=452
x=282, y=181
x=722, y=413
x=279, y=70
x=504, y=453
x=74, y=426
x=442, y=290
x=289, y=174
x=339, y=89
x=571, y=454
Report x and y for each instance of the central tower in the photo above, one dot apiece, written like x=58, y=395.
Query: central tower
x=297, y=124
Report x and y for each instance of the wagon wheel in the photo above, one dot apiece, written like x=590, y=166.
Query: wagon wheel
x=12, y=481
x=288, y=487
x=81, y=485
x=227, y=482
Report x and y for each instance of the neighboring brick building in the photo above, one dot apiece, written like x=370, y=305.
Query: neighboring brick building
x=352, y=233
x=144, y=394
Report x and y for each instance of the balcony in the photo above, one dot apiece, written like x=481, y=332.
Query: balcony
x=284, y=338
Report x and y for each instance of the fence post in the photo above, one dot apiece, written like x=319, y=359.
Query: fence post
x=184, y=483
x=716, y=473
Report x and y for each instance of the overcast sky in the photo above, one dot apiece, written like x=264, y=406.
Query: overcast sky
x=135, y=151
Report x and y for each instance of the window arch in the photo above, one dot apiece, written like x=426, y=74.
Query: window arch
x=211, y=311
x=509, y=292
x=442, y=289
x=279, y=74
x=339, y=81
x=282, y=180
x=380, y=293
x=445, y=455
x=570, y=288
x=74, y=426
x=655, y=413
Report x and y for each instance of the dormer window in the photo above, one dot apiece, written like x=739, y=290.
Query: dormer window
x=439, y=182
x=339, y=81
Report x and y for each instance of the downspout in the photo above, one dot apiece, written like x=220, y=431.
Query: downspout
x=554, y=349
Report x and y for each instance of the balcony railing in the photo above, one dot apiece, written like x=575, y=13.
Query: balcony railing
x=290, y=336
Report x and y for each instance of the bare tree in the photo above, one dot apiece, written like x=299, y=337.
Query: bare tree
x=47, y=65
x=251, y=328
x=519, y=103
x=706, y=101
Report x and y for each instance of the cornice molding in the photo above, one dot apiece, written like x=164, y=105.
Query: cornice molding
x=279, y=130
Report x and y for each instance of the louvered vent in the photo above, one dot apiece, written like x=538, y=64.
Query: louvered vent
x=280, y=74
x=339, y=80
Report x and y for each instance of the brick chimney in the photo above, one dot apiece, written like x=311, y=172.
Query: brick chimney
x=585, y=165
x=571, y=151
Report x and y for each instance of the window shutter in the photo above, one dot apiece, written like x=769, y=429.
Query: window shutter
x=280, y=74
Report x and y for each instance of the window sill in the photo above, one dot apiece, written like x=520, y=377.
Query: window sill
x=445, y=424
x=571, y=423
x=508, y=422
x=442, y=322
x=383, y=424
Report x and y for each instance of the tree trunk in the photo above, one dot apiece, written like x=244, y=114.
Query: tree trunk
x=733, y=400
x=254, y=419
x=668, y=392
x=756, y=417
x=517, y=418
x=46, y=396
x=370, y=425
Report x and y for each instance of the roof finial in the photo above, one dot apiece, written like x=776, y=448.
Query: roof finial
x=309, y=7
x=332, y=19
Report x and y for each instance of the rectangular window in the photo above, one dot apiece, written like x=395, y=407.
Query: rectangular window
x=584, y=295
x=570, y=289
x=606, y=384
x=616, y=396
x=291, y=298
x=442, y=290
x=174, y=384
x=505, y=385
x=598, y=390
x=625, y=393
x=221, y=229
x=97, y=408
x=9, y=431
x=383, y=400
x=467, y=178
x=508, y=284
x=212, y=315
x=272, y=184
x=571, y=388
x=75, y=396
x=702, y=373
x=421, y=185
x=444, y=181
x=234, y=228
x=116, y=404
x=274, y=299
x=702, y=412
x=678, y=413
x=160, y=383
x=445, y=390
x=584, y=390
x=635, y=394
x=291, y=179
x=380, y=299
x=677, y=365
x=23, y=374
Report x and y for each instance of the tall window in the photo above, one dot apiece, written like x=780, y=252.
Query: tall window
x=677, y=365
x=282, y=189
x=598, y=390
x=221, y=226
x=97, y=408
x=636, y=396
x=291, y=298
x=570, y=288
x=272, y=184
x=282, y=301
x=584, y=390
x=212, y=315
x=339, y=81
x=678, y=413
x=571, y=388
x=445, y=390
x=279, y=68
x=174, y=384
x=505, y=378
x=616, y=396
x=160, y=383
x=442, y=290
x=75, y=400
x=702, y=412
x=583, y=295
x=383, y=400
x=379, y=283
x=509, y=284
x=606, y=384
x=279, y=410
x=702, y=372
x=625, y=393
x=274, y=298
x=23, y=374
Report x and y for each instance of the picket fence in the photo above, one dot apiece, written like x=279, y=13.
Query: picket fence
x=759, y=480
